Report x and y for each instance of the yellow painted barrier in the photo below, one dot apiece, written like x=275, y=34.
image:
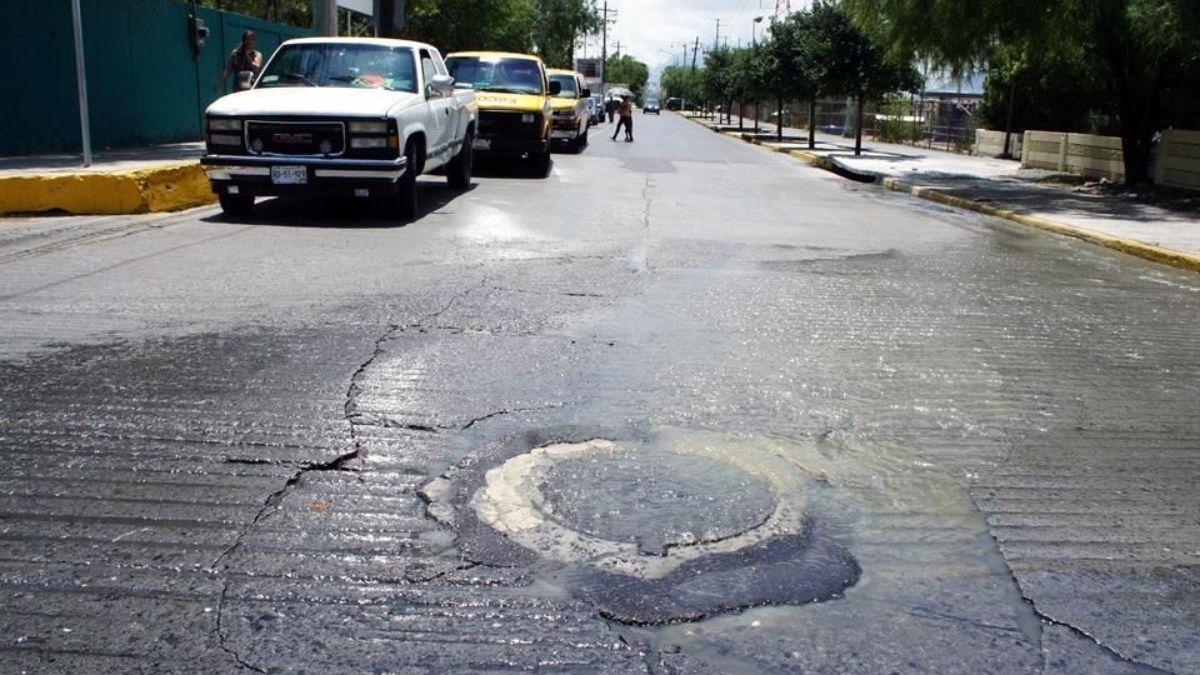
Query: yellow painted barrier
x=165, y=188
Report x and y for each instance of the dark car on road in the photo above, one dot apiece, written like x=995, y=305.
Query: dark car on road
x=652, y=107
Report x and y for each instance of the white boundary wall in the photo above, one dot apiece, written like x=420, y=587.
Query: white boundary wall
x=990, y=143
x=1177, y=163
x=1081, y=154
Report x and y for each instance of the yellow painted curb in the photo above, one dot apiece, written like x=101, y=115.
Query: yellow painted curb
x=166, y=188
x=1140, y=249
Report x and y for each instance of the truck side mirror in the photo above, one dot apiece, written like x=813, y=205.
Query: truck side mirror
x=587, y=93
x=555, y=88
x=441, y=85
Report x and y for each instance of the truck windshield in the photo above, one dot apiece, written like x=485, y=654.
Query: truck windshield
x=502, y=73
x=568, y=85
x=341, y=65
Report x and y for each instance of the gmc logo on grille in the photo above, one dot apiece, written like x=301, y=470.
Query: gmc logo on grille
x=293, y=139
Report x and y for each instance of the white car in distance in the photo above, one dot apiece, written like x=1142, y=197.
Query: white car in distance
x=355, y=117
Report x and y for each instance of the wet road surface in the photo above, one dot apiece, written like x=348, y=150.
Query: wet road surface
x=684, y=406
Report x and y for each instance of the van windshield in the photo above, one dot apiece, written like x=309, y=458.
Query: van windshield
x=500, y=73
x=568, y=86
x=341, y=65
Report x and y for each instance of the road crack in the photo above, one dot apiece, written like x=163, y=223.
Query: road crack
x=1045, y=619
x=221, y=638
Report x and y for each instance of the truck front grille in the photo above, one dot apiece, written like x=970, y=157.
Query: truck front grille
x=296, y=138
x=497, y=124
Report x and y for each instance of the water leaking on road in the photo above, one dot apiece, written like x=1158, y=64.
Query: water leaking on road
x=680, y=526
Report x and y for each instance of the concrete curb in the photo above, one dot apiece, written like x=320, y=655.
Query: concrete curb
x=165, y=188
x=1141, y=249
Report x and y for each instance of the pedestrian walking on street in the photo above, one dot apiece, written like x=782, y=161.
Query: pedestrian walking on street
x=625, y=112
x=245, y=61
x=610, y=107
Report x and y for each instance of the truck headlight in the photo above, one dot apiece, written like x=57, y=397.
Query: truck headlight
x=224, y=124
x=528, y=118
x=224, y=139
x=368, y=127
x=368, y=143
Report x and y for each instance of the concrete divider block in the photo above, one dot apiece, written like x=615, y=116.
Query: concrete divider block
x=166, y=188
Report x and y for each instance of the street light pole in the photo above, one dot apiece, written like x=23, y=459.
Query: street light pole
x=604, y=53
x=85, y=127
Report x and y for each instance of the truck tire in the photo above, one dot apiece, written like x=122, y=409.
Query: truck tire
x=539, y=164
x=406, y=197
x=237, y=205
x=458, y=171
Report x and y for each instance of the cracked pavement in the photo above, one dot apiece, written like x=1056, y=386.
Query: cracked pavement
x=218, y=437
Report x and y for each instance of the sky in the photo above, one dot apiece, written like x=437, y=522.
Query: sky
x=654, y=31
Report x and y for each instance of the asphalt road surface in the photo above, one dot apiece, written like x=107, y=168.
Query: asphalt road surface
x=683, y=406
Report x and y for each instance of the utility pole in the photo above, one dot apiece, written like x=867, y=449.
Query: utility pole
x=695, y=53
x=85, y=127
x=782, y=8
x=328, y=18
x=604, y=49
x=717, y=41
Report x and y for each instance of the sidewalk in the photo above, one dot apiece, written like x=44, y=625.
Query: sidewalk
x=1166, y=233
x=137, y=180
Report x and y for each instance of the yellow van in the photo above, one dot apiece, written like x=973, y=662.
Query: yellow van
x=514, y=93
x=569, y=106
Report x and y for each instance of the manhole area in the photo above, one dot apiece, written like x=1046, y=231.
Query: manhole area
x=654, y=499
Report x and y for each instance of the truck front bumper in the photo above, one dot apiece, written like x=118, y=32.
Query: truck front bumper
x=511, y=146
x=272, y=176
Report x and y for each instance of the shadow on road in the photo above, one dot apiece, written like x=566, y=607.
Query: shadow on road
x=432, y=194
x=507, y=167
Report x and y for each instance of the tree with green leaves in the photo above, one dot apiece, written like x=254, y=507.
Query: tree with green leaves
x=717, y=78
x=793, y=64
x=681, y=82
x=751, y=79
x=1146, y=53
x=853, y=62
x=559, y=25
x=628, y=71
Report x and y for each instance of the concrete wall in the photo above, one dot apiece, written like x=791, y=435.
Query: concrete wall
x=990, y=143
x=1177, y=163
x=145, y=85
x=1080, y=154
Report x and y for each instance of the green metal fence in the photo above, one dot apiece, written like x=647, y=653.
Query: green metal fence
x=145, y=84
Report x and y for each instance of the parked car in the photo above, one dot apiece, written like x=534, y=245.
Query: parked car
x=596, y=107
x=674, y=104
x=514, y=93
x=570, y=110
x=651, y=107
x=357, y=117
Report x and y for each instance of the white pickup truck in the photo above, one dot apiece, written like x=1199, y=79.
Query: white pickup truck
x=353, y=117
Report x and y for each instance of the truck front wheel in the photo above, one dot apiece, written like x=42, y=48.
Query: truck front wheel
x=406, y=196
x=236, y=205
x=539, y=163
x=458, y=171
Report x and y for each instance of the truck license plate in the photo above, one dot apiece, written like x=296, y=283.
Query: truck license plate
x=289, y=175
x=482, y=144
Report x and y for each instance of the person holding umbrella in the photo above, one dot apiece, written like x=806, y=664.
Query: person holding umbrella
x=625, y=113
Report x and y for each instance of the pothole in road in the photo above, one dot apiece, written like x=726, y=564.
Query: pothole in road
x=649, y=530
